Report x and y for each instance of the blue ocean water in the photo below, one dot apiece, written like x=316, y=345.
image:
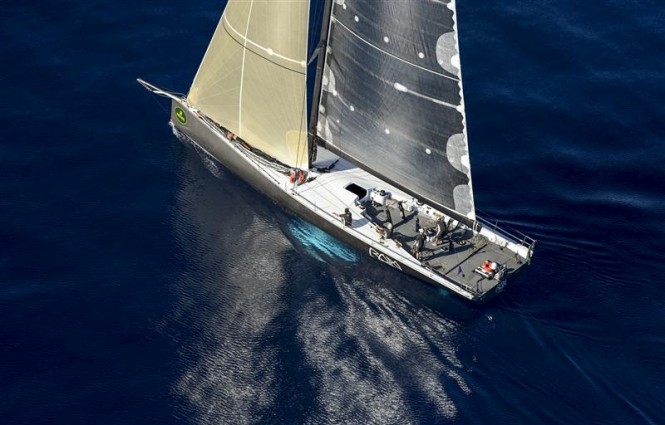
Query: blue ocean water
x=140, y=284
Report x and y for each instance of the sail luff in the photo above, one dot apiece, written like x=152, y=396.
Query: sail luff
x=208, y=49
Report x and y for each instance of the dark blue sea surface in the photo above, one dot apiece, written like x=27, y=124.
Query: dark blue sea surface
x=140, y=284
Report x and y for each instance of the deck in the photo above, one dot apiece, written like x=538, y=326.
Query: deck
x=455, y=259
x=458, y=254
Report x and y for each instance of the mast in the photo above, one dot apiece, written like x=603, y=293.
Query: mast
x=321, y=61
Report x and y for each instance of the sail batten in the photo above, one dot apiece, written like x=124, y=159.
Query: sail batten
x=252, y=79
x=392, y=97
x=406, y=61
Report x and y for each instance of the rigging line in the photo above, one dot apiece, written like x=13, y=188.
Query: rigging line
x=314, y=56
x=160, y=105
x=392, y=55
x=323, y=187
x=318, y=20
x=242, y=72
x=318, y=184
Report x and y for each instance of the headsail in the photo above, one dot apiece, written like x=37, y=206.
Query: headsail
x=392, y=97
x=253, y=77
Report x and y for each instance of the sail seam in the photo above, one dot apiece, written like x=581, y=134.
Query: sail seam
x=260, y=55
x=242, y=72
x=392, y=55
x=265, y=49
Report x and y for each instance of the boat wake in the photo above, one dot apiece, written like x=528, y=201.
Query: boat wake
x=211, y=164
x=319, y=244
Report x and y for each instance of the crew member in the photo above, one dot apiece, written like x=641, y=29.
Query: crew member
x=418, y=246
x=346, y=217
x=489, y=267
x=441, y=230
x=388, y=230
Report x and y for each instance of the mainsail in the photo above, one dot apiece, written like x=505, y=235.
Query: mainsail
x=392, y=97
x=252, y=79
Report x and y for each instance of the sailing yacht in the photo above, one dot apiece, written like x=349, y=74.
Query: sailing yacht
x=381, y=160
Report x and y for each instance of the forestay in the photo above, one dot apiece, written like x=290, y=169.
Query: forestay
x=253, y=77
x=392, y=97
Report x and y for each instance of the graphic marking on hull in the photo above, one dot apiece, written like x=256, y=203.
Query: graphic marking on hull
x=384, y=259
x=180, y=114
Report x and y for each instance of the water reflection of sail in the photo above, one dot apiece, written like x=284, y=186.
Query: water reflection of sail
x=227, y=301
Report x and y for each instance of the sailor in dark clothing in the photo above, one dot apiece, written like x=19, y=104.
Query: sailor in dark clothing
x=346, y=217
x=417, y=224
x=400, y=205
x=418, y=246
x=450, y=246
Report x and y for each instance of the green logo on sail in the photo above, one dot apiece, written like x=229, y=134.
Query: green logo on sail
x=180, y=114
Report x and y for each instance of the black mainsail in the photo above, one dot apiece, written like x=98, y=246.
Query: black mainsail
x=392, y=98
